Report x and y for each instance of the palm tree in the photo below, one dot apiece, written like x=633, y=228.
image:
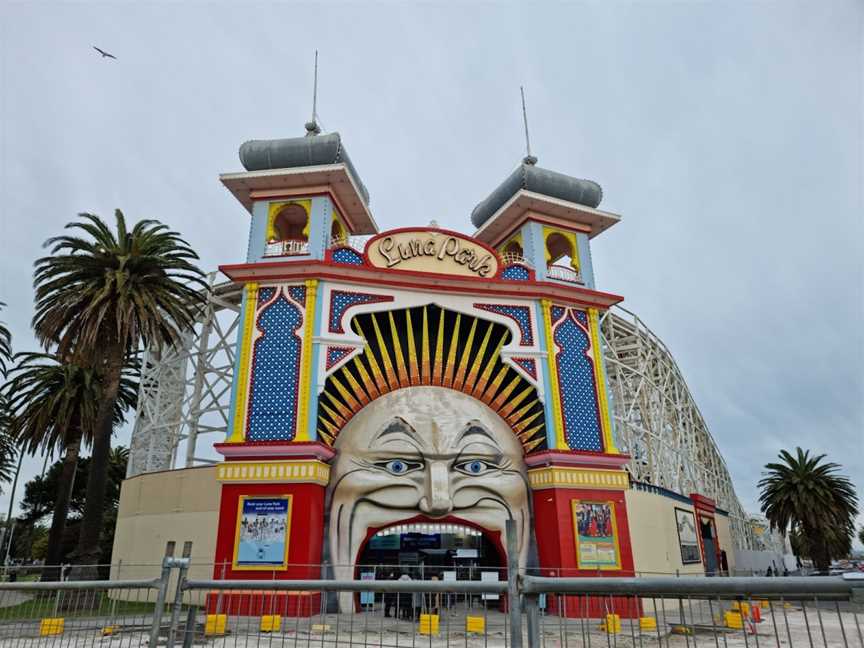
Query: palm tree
x=808, y=499
x=54, y=405
x=5, y=346
x=861, y=535
x=99, y=296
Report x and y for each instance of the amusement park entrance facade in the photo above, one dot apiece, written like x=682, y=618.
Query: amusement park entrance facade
x=396, y=397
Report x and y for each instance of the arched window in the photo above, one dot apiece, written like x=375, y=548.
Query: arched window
x=336, y=231
x=290, y=222
x=559, y=248
x=513, y=248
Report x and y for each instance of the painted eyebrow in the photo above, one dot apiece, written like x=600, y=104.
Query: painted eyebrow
x=476, y=429
x=397, y=426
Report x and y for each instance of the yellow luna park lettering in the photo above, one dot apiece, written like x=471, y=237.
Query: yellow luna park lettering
x=444, y=249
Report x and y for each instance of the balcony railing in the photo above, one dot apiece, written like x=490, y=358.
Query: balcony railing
x=286, y=248
x=564, y=273
x=509, y=259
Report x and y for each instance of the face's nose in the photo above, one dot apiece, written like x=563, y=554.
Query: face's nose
x=436, y=500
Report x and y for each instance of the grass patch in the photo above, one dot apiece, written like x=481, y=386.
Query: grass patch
x=72, y=605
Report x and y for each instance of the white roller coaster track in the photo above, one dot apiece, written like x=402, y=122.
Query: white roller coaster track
x=185, y=392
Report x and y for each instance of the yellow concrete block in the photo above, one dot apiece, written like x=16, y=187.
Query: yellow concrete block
x=764, y=604
x=612, y=624
x=734, y=620
x=428, y=624
x=51, y=626
x=107, y=631
x=742, y=606
x=271, y=623
x=215, y=624
x=475, y=624
x=647, y=623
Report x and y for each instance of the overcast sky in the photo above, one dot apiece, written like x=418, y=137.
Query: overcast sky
x=728, y=135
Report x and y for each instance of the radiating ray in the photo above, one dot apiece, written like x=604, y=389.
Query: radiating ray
x=352, y=402
x=413, y=367
x=480, y=385
x=397, y=352
x=438, y=363
x=466, y=354
x=512, y=404
x=451, y=354
x=380, y=381
x=426, y=374
x=489, y=392
x=392, y=382
x=471, y=380
x=500, y=398
x=371, y=387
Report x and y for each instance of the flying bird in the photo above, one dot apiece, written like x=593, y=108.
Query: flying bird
x=104, y=53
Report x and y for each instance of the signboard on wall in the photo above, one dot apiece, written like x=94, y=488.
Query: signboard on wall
x=432, y=251
x=687, y=538
x=596, y=535
x=263, y=528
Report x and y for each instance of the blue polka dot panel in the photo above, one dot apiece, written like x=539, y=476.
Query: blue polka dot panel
x=341, y=301
x=528, y=365
x=335, y=354
x=576, y=380
x=275, y=375
x=520, y=314
x=516, y=273
x=347, y=256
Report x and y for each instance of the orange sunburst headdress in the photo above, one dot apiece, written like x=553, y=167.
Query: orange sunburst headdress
x=428, y=345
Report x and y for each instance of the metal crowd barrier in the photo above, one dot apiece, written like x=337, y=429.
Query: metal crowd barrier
x=173, y=610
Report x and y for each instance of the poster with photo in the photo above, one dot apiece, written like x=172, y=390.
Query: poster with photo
x=596, y=535
x=263, y=525
x=687, y=539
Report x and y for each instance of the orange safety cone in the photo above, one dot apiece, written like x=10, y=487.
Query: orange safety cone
x=756, y=613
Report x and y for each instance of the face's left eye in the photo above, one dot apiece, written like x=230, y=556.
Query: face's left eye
x=475, y=467
x=399, y=466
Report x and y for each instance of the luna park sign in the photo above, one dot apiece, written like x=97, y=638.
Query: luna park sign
x=432, y=250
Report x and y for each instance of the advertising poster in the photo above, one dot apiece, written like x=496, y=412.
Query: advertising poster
x=596, y=535
x=686, y=523
x=262, y=532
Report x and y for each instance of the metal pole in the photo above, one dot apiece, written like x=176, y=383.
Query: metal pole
x=161, y=594
x=513, y=585
x=178, y=595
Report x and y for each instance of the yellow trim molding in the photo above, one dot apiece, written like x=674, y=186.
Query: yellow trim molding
x=569, y=477
x=551, y=364
x=600, y=383
x=250, y=303
x=302, y=431
x=274, y=472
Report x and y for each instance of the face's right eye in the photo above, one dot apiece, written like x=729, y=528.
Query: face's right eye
x=399, y=466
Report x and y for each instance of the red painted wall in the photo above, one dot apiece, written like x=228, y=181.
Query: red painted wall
x=556, y=547
x=304, y=544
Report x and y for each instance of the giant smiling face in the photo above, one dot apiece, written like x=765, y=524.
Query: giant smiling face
x=430, y=452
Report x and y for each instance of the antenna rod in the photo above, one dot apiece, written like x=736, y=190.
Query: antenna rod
x=529, y=159
x=312, y=127
x=315, y=90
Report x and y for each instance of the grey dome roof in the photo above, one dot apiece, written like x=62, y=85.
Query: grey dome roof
x=541, y=181
x=261, y=155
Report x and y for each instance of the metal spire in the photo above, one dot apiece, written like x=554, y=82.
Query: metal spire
x=312, y=127
x=528, y=159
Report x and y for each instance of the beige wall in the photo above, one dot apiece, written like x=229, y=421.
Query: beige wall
x=724, y=537
x=654, y=535
x=155, y=508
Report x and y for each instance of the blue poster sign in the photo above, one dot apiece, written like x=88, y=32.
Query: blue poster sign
x=262, y=532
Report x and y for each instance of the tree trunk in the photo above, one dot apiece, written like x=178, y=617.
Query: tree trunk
x=87, y=554
x=61, y=512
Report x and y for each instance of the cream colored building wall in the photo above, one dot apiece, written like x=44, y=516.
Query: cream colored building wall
x=724, y=537
x=155, y=508
x=654, y=534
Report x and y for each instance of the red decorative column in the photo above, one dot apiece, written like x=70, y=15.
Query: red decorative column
x=706, y=510
x=567, y=486
x=268, y=473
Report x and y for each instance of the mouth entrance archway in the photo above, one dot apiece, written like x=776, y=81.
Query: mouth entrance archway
x=426, y=550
